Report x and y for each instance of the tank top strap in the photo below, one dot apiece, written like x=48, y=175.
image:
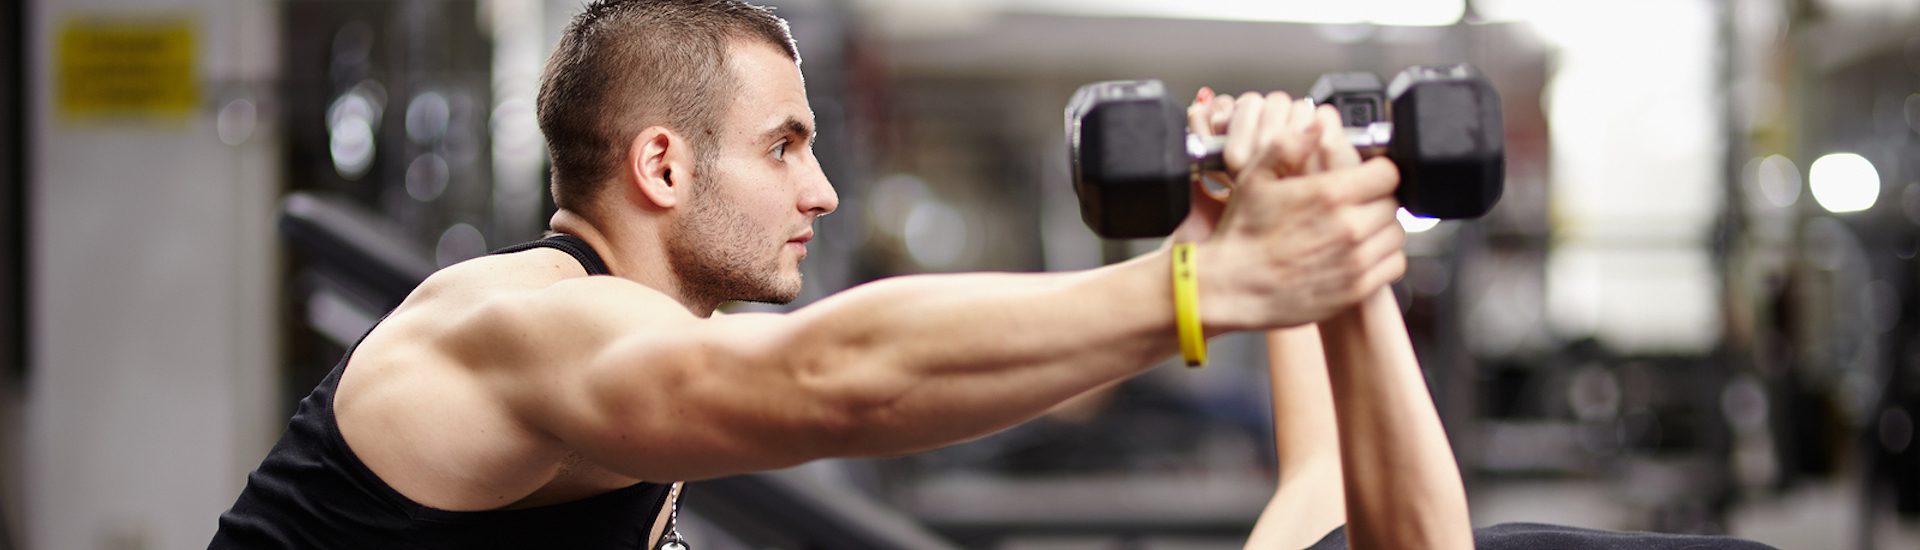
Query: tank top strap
x=573, y=246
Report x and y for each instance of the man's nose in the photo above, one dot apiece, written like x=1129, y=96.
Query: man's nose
x=817, y=196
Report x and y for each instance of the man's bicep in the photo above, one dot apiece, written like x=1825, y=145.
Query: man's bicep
x=646, y=389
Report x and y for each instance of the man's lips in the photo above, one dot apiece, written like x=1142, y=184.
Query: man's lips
x=800, y=243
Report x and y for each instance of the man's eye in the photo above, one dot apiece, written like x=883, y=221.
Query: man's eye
x=780, y=151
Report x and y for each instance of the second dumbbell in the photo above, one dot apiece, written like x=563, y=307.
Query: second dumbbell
x=1132, y=158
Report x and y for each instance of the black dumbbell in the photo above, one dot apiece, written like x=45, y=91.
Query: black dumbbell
x=1132, y=157
x=1359, y=97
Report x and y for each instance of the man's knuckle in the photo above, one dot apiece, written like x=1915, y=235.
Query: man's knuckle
x=1325, y=196
x=1264, y=143
x=1275, y=149
x=1353, y=265
x=1248, y=104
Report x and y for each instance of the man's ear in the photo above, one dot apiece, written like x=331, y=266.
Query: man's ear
x=658, y=166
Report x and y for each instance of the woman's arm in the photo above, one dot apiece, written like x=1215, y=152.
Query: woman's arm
x=1403, y=488
x=1310, y=500
x=1358, y=440
x=1363, y=411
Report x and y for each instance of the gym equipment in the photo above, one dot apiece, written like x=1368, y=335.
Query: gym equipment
x=1132, y=158
x=1358, y=96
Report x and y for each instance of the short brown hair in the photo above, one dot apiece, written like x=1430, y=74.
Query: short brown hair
x=625, y=65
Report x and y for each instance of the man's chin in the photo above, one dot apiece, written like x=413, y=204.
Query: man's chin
x=784, y=295
x=779, y=300
x=789, y=294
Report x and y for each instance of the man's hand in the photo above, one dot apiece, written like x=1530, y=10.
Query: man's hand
x=1307, y=231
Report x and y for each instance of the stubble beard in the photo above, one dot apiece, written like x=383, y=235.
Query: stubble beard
x=718, y=256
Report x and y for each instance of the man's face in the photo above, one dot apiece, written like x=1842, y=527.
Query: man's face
x=752, y=208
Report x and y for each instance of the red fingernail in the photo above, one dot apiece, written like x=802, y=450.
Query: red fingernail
x=1205, y=95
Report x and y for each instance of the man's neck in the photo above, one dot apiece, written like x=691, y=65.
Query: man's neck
x=633, y=251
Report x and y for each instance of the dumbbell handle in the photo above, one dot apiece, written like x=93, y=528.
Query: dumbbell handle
x=1371, y=140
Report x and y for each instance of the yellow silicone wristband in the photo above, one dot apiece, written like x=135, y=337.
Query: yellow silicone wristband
x=1186, y=306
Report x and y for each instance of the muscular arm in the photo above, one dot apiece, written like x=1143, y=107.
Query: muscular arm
x=1403, y=488
x=636, y=384
x=632, y=381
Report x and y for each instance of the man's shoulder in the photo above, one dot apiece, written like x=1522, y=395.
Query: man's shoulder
x=539, y=299
x=533, y=274
x=496, y=274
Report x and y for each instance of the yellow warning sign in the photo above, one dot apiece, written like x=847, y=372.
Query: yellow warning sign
x=125, y=67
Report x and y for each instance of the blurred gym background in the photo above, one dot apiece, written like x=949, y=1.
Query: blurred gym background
x=1696, y=309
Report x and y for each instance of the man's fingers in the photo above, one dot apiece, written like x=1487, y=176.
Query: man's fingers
x=1222, y=108
x=1243, y=132
x=1292, y=143
x=1273, y=117
x=1384, y=241
x=1335, y=149
x=1390, y=269
x=1302, y=115
x=1370, y=180
x=1370, y=217
x=1302, y=123
x=1273, y=131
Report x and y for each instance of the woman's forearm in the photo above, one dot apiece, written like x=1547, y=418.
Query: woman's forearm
x=1403, y=488
x=1303, y=422
x=1309, y=500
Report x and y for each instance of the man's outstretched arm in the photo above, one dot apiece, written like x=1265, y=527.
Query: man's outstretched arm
x=628, y=378
x=891, y=367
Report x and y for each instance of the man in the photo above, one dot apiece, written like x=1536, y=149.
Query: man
x=518, y=400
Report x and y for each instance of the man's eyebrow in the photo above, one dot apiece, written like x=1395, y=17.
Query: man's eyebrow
x=792, y=127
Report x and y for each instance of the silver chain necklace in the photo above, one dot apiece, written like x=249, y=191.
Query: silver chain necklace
x=671, y=539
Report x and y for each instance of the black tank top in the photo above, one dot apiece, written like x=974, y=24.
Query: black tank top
x=312, y=492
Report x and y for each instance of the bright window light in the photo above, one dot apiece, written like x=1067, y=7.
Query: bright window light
x=1420, y=13
x=1844, y=182
x=1777, y=180
x=1414, y=223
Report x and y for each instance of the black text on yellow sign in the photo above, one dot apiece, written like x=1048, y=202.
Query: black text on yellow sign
x=126, y=68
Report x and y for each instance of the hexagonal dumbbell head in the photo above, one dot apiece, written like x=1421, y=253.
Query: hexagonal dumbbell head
x=1448, y=141
x=1359, y=97
x=1126, y=144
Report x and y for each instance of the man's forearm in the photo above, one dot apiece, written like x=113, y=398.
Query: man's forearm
x=1403, y=488
x=920, y=362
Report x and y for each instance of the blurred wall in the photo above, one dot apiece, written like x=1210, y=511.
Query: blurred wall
x=153, y=353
